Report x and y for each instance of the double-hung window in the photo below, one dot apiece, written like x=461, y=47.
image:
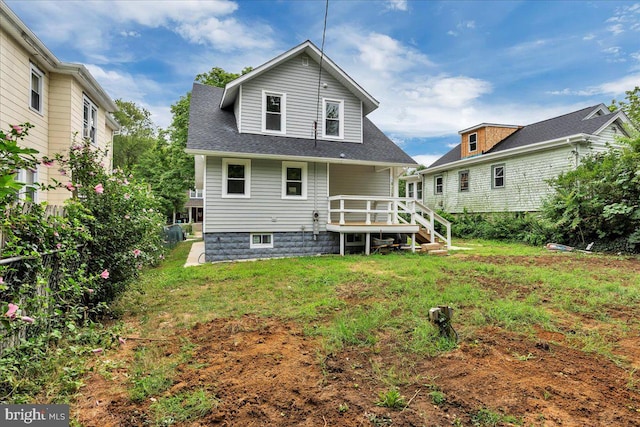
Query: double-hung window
x=463, y=177
x=274, y=112
x=29, y=192
x=196, y=194
x=497, y=176
x=410, y=187
x=419, y=189
x=473, y=142
x=236, y=178
x=294, y=180
x=90, y=121
x=35, y=101
x=438, y=184
x=333, y=113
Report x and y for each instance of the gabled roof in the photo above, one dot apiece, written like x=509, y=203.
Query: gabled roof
x=587, y=121
x=213, y=130
x=369, y=102
x=30, y=42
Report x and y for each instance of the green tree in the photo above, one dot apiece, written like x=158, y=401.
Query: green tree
x=137, y=134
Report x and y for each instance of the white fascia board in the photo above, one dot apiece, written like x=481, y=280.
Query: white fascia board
x=89, y=83
x=231, y=88
x=544, y=145
x=618, y=115
x=333, y=160
x=410, y=178
x=598, y=108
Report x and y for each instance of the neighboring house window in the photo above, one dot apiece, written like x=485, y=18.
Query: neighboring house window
x=260, y=240
x=29, y=192
x=195, y=194
x=419, y=190
x=236, y=178
x=333, y=121
x=410, y=190
x=497, y=172
x=464, y=180
x=438, y=186
x=294, y=180
x=36, y=89
x=274, y=107
x=473, y=142
x=90, y=120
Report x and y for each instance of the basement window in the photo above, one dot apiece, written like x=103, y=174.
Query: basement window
x=261, y=240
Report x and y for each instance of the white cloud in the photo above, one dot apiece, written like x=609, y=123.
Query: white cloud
x=397, y=5
x=452, y=33
x=616, y=29
x=467, y=25
x=226, y=34
x=426, y=159
x=612, y=88
x=590, y=36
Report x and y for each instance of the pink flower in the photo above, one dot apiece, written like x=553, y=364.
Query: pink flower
x=122, y=341
x=136, y=253
x=105, y=274
x=17, y=129
x=27, y=319
x=59, y=245
x=127, y=216
x=127, y=196
x=48, y=163
x=90, y=291
x=99, y=189
x=11, y=312
x=126, y=182
x=97, y=350
x=161, y=256
x=1, y=280
x=55, y=233
x=62, y=172
x=70, y=186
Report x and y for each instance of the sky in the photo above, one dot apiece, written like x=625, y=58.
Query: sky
x=436, y=67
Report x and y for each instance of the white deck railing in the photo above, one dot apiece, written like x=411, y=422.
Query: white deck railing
x=369, y=210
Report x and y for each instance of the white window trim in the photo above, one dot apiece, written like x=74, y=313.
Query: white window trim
x=196, y=194
x=475, y=142
x=419, y=192
x=35, y=70
x=22, y=177
x=86, y=132
x=301, y=165
x=283, y=112
x=260, y=245
x=411, y=190
x=324, y=118
x=247, y=178
x=460, y=189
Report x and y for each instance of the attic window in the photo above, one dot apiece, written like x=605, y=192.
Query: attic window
x=305, y=61
x=274, y=107
x=473, y=142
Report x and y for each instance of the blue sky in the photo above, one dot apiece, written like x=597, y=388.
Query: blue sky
x=435, y=66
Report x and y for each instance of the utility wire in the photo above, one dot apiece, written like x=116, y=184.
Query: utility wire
x=324, y=32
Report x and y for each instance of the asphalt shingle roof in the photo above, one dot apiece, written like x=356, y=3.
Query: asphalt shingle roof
x=214, y=129
x=557, y=127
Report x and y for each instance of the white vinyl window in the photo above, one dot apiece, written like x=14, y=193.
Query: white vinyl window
x=497, y=172
x=236, y=178
x=294, y=180
x=35, y=100
x=274, y=117
x=333, y=113
x=90, y=121
x=438, y=187
x=29, y=178
x=473, y=142
x=196, y=194
x=419, y=190
x=410, y=187
x=261, y=240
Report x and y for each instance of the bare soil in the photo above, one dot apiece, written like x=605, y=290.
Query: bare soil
x=268, y=373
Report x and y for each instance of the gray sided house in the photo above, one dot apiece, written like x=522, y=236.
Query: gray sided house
x=505, y=168
x=289, y=162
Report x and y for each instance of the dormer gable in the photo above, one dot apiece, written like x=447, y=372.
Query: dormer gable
x=479, y=139
x=599, y=110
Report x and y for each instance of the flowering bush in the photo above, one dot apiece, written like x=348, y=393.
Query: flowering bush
x=126, y=222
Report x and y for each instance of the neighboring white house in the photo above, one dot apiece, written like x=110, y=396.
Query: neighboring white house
x=60, y=99
x=290, y=164
x=500, y=168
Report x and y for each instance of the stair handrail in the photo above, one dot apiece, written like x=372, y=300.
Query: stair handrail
x=420, y=210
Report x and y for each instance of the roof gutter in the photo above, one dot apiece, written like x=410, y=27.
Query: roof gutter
x=540, y=146
x=340, y=160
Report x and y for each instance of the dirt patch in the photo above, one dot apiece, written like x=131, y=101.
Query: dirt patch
x=267, y=373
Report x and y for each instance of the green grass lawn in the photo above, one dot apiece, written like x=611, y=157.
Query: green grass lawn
x=358, y=300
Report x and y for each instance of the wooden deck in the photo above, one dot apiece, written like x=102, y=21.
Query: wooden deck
x=375, y=227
